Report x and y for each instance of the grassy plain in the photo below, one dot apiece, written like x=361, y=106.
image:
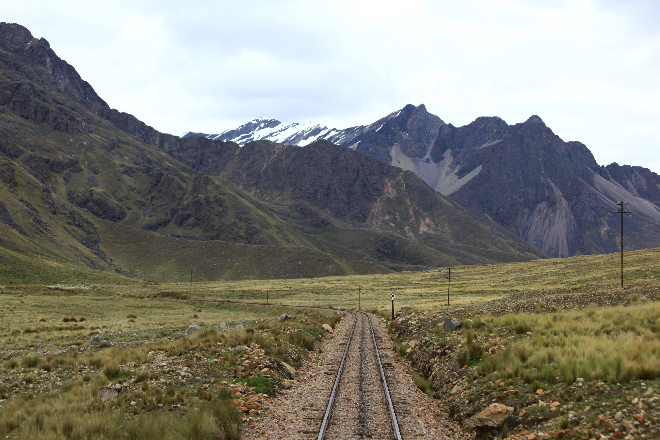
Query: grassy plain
x=428, y=290
x=201, y=386
x=65, y=315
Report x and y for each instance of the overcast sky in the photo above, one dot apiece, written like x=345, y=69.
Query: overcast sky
x=589, y=69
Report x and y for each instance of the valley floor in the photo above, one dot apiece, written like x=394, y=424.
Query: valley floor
x=555, y=344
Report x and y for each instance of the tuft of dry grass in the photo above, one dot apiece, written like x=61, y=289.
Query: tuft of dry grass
x=616, y=344
x=112, y=369
x=76, y=413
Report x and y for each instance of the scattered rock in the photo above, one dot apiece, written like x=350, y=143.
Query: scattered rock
x=507, y=393
x=554, y=404
x=327, y=328
x=108, y=393
x=192, y=329
x=451, y=324
x=284, y=317
x=639, y=417
x=98, y=341
x=579, y=382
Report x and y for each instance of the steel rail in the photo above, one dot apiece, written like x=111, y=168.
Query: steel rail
x=395, y=423
x=326, y=417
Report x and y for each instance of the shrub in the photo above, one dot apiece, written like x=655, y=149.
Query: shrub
x=401, y=349
x=301, y=339
x=145, y=375
x=31, y=361
x=423, y=384
x=214, y=419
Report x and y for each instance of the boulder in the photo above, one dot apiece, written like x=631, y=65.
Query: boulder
x=192, y=329
x=108, y=393
x=327, y=328
x=451, y=324
x=290, y=371
x=284, y=317
x=492, y=416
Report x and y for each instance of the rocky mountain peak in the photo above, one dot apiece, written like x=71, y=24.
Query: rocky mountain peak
x=535, y=120
x=488, y=123
x=48, y=67
x=15, y=37
x=534, y=126
x=411, y=110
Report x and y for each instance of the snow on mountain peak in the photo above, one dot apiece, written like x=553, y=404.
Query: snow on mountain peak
x=296, y=133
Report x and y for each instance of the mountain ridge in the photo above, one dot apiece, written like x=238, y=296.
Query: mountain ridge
x=551, y=193
x=87, y=173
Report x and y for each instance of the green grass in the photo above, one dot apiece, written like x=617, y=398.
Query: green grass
x=260, y=384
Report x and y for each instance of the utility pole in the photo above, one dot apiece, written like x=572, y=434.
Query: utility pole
x=621, y=211
x=448, y=283
x=359, y=292
x=392, y=307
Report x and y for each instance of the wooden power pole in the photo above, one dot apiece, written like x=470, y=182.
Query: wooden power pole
x=448, y=283
x=621, y=211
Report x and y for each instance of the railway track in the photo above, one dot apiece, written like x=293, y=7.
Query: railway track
x=359, y=408
x=360, y=405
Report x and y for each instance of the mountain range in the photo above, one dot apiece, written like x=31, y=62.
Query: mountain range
x=548, y=192
x=86, y=185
